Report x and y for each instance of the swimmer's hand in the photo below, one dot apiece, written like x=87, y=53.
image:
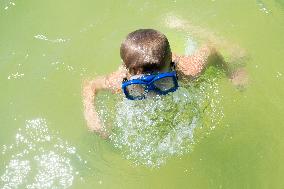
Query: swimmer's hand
x=239, y=78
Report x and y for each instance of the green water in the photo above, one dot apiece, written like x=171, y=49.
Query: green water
x=48, y=48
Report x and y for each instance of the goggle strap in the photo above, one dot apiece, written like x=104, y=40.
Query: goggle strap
x=173, y=65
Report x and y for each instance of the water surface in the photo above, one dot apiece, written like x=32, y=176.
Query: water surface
x=48, y=48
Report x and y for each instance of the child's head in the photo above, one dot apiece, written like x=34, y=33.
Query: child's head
x=146, y=50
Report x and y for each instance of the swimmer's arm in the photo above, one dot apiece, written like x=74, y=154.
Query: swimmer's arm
x=192, y=66
x=91, y=116
x=111, y=82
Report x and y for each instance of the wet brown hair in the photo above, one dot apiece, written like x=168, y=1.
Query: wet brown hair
x=145, y=50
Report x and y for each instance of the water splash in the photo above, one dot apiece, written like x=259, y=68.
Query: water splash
x=190, y=46
x=263, y=7
x=279, y=74
x=16, y=75
x=38, y=159
x=148, y=132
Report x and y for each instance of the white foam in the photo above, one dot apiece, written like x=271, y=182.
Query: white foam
x=38, y=159
x=150, y=131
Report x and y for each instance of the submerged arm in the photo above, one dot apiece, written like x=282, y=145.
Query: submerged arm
x=192, y=66
x=111, y=82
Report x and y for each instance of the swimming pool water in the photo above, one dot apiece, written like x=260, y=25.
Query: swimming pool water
x=48, y=47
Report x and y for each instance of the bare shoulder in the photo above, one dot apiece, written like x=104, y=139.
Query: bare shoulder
x=113, y=81
x=192, y=66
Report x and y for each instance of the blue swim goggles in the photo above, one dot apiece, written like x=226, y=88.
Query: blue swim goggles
x=161, y=83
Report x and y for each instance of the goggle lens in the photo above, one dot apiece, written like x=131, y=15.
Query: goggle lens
x=165, y=84
x=136, y=90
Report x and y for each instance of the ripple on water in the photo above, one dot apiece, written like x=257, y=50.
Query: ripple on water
x=7, y=4
x=44, y=38
x=263, y=7
x=38, y=159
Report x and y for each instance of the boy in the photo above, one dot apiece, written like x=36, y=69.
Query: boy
x=148, y=67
